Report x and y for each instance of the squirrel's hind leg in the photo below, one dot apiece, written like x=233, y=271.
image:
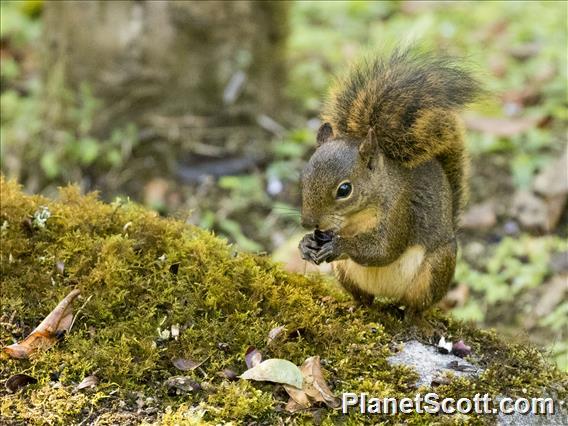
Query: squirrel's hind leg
x=360, y=296
x=433, y=279
x=430, y=285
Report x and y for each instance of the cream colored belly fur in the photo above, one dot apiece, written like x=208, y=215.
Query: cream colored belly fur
x=391, y=281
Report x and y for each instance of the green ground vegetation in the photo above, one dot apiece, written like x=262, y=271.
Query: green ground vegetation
x=122, y=256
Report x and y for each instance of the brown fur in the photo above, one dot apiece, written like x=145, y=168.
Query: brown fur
x=360, y=222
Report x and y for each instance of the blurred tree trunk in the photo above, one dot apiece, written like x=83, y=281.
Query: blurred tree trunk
x=204, y=77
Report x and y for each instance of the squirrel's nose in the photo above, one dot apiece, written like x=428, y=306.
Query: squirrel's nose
x=309, y=223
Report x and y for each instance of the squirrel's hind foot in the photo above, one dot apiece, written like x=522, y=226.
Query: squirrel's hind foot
x=419, y=324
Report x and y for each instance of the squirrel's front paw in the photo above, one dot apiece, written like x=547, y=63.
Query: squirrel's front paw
x=319, y=247
x=327, y=253
x=309, y=248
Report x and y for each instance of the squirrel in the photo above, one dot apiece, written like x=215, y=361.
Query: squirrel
x=387, y=183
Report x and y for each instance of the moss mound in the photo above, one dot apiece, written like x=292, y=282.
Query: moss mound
x=140, y=274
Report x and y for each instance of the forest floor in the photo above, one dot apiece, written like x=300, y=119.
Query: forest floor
x=513, y=264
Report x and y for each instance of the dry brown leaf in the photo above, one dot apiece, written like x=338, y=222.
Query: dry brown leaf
x=298, y=398
x=19, y=381
x=252, y=357
x=228, y=374
x=88, y=382
x=322, y=393
x=314, y=389
x=45, y=335
x=274, y=333
x=293, y=407
x=186, y=364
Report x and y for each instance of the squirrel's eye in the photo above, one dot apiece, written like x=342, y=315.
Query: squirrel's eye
x=343, y=190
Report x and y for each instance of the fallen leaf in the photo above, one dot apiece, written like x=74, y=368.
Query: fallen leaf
x=315, y=388
x=461, y=349
x=505, y=127
x=19, y=381
x=228, y=374
x=292, y=406
x=274, y=333
x=275, y=370
x=252, y=357
x=87, y=382
x=46, y=334
x=186, y=364
x=521, y=98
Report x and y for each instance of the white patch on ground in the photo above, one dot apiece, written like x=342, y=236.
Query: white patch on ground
x=429, y=363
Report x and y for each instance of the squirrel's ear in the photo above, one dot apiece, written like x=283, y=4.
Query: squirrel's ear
x=369, y=145
x=325, y=133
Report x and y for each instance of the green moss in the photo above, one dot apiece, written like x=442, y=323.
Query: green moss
x=120, y=257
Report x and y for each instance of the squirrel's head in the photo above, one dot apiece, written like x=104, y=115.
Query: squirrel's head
x=339, y=182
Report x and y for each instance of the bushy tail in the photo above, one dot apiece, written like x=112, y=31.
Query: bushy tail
x=411, y=99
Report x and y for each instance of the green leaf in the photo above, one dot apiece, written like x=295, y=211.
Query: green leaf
x=276, y=370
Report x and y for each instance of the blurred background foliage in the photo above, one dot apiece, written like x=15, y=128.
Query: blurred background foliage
x=513, y=270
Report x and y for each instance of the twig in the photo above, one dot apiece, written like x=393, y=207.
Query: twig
x=79, y=310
